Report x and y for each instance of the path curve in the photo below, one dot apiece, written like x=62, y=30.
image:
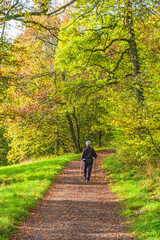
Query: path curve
x=74, y=209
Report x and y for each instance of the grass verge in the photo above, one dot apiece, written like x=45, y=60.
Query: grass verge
x=22, y=186
x=140, y=195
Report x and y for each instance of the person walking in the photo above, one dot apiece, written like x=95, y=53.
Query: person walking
x=87, y=157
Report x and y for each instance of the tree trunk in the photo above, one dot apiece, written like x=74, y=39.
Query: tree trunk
x=100, y=139
x=78, y=130
x=57, y=141
x=73, y=135
x=133, y=52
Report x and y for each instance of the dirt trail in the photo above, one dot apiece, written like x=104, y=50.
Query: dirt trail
x=74, y=209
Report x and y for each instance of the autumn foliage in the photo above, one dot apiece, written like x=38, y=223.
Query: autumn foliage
x=89, y=73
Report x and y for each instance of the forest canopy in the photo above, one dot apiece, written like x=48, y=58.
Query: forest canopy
x=82, y=70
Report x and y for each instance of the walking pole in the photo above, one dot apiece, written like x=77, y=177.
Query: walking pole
x=81, y=168
x=95, y=170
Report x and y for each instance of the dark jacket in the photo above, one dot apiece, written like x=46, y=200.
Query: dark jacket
x=88, y=153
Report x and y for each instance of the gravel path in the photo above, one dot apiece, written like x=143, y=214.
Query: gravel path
x=75, y=209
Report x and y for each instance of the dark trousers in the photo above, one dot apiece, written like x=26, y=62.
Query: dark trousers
x=87, y=169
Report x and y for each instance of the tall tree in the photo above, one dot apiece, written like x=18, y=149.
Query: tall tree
x=104, y=40
x=39, y=14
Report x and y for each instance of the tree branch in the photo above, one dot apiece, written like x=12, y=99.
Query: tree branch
x=156, y=148
x=116, y=66
x=120, y=59
x=44, y=11
x=102, y=28
x=62, y=7
x=42, y=26
x=109, y=45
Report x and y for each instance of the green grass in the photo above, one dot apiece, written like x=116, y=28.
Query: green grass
x=22, y=186
x=140, y=196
